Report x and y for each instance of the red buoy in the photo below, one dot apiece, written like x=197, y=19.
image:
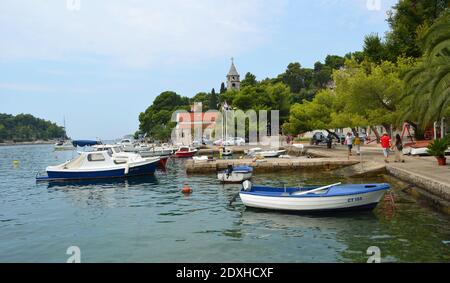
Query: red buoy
x=186, y=189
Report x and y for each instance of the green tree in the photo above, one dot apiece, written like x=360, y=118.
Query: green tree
x=293, y=77
x=213, y=100
x=204, y=98
x=25, y=127
x=405, y=20
x=311, y=115
x=429, y=82
x=334, y=61
x=156, y=121
x=223, y=89
x=249, y=80
x=374, y=48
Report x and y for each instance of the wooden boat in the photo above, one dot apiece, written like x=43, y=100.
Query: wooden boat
x=99, y=165
x=235, y=174
x=334, y=197
x=185, y=152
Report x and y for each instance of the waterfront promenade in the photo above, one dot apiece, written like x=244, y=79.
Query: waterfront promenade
x=423, y=177
x=432, y=182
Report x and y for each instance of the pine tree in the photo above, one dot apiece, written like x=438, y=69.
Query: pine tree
x=223, y=89
x=214, y=100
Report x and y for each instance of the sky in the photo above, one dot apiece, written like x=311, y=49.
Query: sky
x=99, y=63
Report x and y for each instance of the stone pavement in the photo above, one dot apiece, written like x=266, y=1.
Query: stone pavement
x=420, y=171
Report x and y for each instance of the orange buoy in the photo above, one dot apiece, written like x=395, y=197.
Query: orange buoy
x=186, y=189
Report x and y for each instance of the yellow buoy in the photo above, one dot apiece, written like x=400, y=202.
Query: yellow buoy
x=15, y=163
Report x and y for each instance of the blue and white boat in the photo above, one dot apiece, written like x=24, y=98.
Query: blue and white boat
x=335, y=197
x=100, y=165
x=235, y=174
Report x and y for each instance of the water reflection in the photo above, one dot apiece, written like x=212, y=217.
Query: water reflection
x=104, y=183
x=95, y=195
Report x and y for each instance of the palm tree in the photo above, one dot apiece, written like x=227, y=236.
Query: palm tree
x=429, y=82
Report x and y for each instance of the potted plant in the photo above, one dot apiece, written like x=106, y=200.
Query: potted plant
x=437, y=149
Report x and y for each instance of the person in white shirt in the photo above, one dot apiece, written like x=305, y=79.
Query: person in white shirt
x=349, y=143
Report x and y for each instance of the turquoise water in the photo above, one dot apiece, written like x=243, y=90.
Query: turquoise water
x=150, y=220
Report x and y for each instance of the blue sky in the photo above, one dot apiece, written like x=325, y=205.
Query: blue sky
x=103, y=62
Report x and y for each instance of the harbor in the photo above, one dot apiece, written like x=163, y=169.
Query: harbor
x=239, y=133
x=154, y=221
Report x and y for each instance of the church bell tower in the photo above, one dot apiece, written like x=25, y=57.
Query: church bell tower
x=233, y=78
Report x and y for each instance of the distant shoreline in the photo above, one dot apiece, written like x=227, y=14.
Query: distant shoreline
x=27, y=143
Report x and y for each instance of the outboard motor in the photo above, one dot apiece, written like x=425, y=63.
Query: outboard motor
x=247, y=185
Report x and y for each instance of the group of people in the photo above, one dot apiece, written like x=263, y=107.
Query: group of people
x=386, y=144
x=397, y=147
x=350, y=141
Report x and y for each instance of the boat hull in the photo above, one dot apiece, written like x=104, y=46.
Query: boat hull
x=185, y=154
x=137, y=170
x=163, y=161
x=234, y=177
x=363, y=201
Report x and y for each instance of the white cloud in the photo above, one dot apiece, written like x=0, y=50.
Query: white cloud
x=136, y=33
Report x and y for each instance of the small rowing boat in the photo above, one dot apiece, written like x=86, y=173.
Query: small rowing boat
x=335, y=197
x=235, y=174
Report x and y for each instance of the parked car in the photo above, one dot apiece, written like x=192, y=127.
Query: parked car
x=207, y=141
x=239, y=141
x=229, y=142
x=318, y=138
x=217, y=142
x=341, y=139
x=196, y=143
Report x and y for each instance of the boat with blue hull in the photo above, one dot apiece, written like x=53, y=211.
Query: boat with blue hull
x=335, y=197
x=100, y=165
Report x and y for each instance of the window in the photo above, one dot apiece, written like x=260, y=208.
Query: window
x=96, y=157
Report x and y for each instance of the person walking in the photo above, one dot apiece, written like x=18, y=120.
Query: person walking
x=357, y=143
x=398, y=149
x=349, y=143
x=386, y=144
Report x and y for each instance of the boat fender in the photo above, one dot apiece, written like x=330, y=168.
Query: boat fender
x=247, y=185
x=127, y=169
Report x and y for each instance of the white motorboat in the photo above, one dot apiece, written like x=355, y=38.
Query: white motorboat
x=264, y=153
x=64, y=145
x=203, y=158
x=127, y=145
x=155, y=151
x=100, y=165
x=235, y=174
x=334, y=197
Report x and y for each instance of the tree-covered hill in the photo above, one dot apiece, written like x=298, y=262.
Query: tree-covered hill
x=26, y=127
